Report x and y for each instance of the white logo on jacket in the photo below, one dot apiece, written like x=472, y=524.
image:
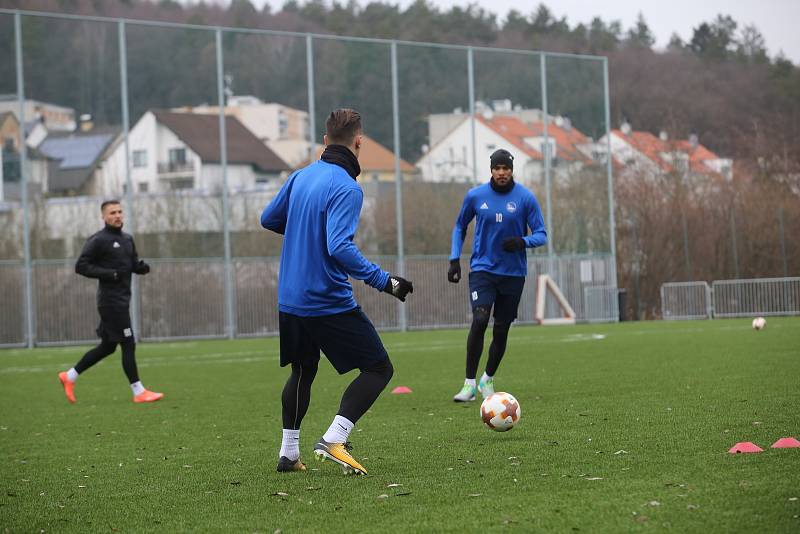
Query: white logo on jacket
x=116, y=245
x=484, y=206
x=511, y=207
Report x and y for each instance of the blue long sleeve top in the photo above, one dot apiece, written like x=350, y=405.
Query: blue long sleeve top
x=498, y=216
x=317, y=212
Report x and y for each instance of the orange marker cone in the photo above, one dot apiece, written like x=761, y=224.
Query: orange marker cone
x=786, y=443
x=745, y=446
x=401, y=389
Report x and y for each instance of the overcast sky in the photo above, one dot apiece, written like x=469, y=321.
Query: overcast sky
x=776, y=19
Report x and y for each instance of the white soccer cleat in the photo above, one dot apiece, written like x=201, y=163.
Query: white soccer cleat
x=466, y=394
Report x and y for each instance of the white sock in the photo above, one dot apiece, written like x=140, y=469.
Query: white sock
x=72, y=375
x=290, y=445
x=137, y=388
x=485, y=377
x=339, y=430
x=469, y=382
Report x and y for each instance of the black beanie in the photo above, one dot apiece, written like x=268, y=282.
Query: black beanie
x=501, y=157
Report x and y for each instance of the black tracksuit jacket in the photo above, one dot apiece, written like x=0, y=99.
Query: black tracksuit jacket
x=110, y=256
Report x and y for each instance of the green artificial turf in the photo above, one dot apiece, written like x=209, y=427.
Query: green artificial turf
x=625, y=427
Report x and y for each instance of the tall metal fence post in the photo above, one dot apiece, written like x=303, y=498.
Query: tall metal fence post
x=612, y=229
x=230, y=316
x=23, y=169
x=312, y=119
x=398, y=185
x=547, y=178
x=733, y=242
x=783, y=241
x=686, y=258
x=129, y=197
x=471, y=93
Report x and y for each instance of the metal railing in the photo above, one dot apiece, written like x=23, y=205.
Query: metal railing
x=174, y=168
x=731, y=298
x=185, y=299
x=686, y=301
x=761, y=296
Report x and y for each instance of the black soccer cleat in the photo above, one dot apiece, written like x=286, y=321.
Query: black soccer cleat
x=286, y=465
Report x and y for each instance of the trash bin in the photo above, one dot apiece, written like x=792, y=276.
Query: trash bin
x=622, y=301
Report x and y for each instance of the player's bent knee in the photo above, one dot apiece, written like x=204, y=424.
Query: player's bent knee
x=384, y=369
x=480, y=317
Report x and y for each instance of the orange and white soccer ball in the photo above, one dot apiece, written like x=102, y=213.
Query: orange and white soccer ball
x=759, y=323
x=500, y=411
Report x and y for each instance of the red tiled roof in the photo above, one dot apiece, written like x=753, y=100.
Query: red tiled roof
x=653, y=147
x=515, y=131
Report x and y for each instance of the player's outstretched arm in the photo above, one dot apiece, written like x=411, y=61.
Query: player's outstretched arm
x=344, y=209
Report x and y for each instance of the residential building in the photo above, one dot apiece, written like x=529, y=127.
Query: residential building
x=172, y=151
x=450, y=159
x=283, y=129
x=78, y=156
x=10, y=162
x=644, y=154
x=55, y=118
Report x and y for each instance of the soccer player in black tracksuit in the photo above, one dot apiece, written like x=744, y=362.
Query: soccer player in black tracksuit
x=110, y=256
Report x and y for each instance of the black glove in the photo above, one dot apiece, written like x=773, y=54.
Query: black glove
x=398, y=287
x=513, y=244
x=141, y=268
x=454, y=273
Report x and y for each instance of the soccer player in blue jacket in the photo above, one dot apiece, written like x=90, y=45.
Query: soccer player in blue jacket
x=503, y=211
x=317, y=212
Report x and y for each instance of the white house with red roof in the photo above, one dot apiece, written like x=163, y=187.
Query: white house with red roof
x=644, y=154
x=521, y=132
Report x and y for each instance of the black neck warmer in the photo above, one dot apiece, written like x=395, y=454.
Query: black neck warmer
x=114, y=229
x=502, y=188
x=342, y=156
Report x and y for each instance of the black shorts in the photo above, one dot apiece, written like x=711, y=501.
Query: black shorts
x=115, y=324
x=348, y=340
x=502, y=292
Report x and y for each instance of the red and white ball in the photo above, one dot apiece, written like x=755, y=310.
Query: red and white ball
x=500, y=411
x=759, y=323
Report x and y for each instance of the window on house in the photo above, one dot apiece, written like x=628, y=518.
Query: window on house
x=139, y=158
x=177, y=156
x=143, y=187
x=283, y=125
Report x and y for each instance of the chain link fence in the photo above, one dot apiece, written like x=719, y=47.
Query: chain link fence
x=184, y=298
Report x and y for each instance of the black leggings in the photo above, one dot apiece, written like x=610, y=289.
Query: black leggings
x=480, y=321
x=362, y=392
x=108, y=347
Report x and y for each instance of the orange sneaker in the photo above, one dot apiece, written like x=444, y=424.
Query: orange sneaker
x=68, y=386
x=148, y=396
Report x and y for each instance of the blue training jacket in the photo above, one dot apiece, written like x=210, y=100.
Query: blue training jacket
x=317, y=212
x=498, y=216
